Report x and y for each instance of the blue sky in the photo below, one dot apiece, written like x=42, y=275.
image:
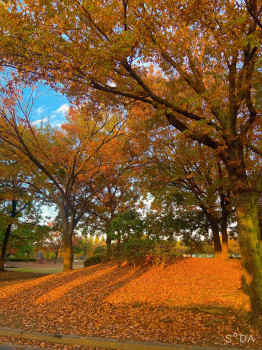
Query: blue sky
x=49, y=106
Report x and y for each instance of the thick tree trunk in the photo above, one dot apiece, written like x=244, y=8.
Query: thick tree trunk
x=68, y=251
x=224, y=244
x=250, y=246
x=216, y=240
x=68, y=230
x=68, y=224
x=4, y=247
x=260, y=219
x=245, y=199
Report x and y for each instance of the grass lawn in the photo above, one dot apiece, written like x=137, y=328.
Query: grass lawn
x=194, y=301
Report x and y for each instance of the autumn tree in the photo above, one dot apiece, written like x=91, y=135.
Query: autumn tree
x=196, y=63
x=122, y=194
x=53, y=243
x=71, y=164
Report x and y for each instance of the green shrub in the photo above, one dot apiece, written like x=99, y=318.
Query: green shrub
x=136, y=250
x=163, y=253
x=100, y=250
x=93, y=260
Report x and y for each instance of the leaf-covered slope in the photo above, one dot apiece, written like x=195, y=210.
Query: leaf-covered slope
x=194, y=301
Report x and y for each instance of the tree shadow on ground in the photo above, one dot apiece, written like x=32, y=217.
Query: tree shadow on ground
x=61, y=284
x=14, y=276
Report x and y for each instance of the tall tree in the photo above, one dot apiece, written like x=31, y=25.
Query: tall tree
x=71, y=164
x=197, y=64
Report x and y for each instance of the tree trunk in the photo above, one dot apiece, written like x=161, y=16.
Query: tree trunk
x=224, y=243
x=245, y=199
x=213, y=221
x=4, y=247
x=216, y=240
x=224, y=218
x=250, y=246
x=7, y=235
x=56, y=255
x=108, y=247
x=68, y=251
x=260, y=219
x=68, y=225
x=68, y=230
x=118, y=244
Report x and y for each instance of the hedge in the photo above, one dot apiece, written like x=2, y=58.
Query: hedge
x=21, y=260
x=93, y=260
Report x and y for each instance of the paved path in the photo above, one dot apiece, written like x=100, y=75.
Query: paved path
x=9, y=346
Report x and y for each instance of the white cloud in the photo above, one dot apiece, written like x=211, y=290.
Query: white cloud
x=57, y=124
x=40, y=110
x=57, y=116
x=61, y=111
x=40, y=121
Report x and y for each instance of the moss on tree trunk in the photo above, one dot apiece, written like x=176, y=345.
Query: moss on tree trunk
x=250, y=246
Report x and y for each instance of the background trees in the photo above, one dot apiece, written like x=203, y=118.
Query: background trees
x=117, y=197
x=182, y=175
x=197, y=182
x=20, y=220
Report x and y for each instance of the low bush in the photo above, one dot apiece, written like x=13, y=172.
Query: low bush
x=139, y=251
x=100, y=250
x=163, y=253
x=136, y=250
x=93, y=260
